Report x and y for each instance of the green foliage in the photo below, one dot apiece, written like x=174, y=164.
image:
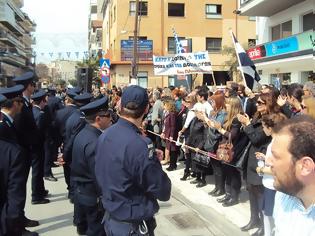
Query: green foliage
x=60, y=82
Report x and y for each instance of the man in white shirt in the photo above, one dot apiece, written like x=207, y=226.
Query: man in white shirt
x=293, y=166
x=202, y=97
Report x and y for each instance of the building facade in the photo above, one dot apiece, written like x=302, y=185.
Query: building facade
x=15, y=40
x=95, y=30
x=286, y=39
x=204, y=23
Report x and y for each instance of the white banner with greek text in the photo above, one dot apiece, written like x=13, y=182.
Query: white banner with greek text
x=182, y=64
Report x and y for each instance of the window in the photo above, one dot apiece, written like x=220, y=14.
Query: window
x=252, y=18
x=171, y=80
x=143, y=79
x=214, y=45
x=139, y=37
x=143, y=8
x=176, y=9
x=114, y=14
x=213, y=11
x=93, y=9
x=251, y=43
x=308, y=22
x=281, y=31
x=171, y=45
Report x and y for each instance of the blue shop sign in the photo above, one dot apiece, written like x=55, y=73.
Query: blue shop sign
x=282, y=46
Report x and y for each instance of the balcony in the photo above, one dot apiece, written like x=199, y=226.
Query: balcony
x=12, y=59
x=265, y=7
x=10, y=39
x=19, y=14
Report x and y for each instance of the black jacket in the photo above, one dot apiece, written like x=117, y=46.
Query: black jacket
x=259, y=142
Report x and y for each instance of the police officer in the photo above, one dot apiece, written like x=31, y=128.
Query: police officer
x=74, y=124
x=9, y=110
x=13, y=167
x=129, y=174
x=51, y=149
x=87, y=192
x=38, y=189
x=26, y=126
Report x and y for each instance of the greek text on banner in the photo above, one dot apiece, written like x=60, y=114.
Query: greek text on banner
x=182, y=64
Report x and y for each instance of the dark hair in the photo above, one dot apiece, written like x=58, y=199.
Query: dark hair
x=301, y=128
x=273, y=119
x=9, y=102
x=283, y=91
x=132, y=110
x=203, y=93
x=271, y=104
x=296, y=90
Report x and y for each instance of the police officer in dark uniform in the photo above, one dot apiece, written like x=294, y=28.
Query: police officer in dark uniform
x=26, y=126
x=129, y=174
x=74, y=124
x=38, y=188
x=51, y=149
x=13, y=167
x=9, y=111
x=87, y=192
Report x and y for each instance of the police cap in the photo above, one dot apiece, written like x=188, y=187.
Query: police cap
x=12, y=92
x=24, y=79
x=70, y=93
x=83, y=98
x=51, y=89
x=39, y=95
x=95, y=106
x=136, y=95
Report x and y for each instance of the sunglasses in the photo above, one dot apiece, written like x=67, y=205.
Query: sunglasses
x=303, y=106
x=261, y=103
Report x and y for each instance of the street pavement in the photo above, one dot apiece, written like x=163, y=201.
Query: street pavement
x=190, y=211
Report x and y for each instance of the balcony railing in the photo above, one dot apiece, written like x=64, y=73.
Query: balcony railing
x=17, y=10
x=12, y=58
x=11, y=39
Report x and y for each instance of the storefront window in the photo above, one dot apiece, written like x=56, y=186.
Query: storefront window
x=143, y=79
x=280, y=79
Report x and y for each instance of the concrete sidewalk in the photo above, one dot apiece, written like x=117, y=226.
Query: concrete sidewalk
x=238, y=215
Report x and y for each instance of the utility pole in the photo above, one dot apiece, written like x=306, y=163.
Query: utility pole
x=134, y=64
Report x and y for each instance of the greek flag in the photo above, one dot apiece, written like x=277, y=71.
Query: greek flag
x=179, y=46
x=247, y=67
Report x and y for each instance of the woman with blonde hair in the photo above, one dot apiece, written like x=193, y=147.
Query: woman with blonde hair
x=308, y=106
x=232, y=128
x=169, y=132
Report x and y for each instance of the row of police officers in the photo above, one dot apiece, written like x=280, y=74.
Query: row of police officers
x=118, y=170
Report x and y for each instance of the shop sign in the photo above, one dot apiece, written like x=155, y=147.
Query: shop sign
x=145, y=50
x=282, y=46
x=257, y=52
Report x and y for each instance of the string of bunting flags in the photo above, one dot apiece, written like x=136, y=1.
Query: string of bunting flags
x=67, y=54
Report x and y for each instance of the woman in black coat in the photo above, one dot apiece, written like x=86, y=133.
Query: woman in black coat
x=231, y=129
x=266, y=104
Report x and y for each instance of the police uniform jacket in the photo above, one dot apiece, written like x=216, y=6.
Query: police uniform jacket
x=83, y=164
x=12, y=186
x=42, y=122
x=129, y=173
x=26, y=127
x=7, y=130
x=54, y=104
x=74, y=124
x=61, y=118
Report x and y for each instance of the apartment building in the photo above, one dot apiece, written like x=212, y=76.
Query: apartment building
x=204, y=23
x=15, y=40
x=286, y=39
x=95, y=29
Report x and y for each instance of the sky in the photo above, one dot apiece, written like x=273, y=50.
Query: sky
x=62, y=28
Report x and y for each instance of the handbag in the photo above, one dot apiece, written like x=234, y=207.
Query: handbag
x=240, y=164
x=225, y=151
x=201, y=159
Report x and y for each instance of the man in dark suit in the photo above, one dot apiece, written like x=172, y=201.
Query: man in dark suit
x=13, y=167
x=87, y=193
x=41, y=119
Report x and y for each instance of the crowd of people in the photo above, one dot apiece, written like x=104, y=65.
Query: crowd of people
x=232, y=133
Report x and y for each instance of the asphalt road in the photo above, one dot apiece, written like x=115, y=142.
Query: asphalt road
x=177, y=217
